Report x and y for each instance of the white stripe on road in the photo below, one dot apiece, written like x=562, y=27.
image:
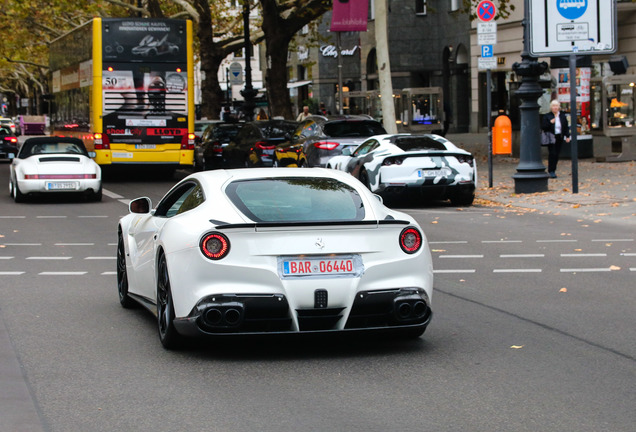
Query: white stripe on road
x=109, y=273
x=448, y=242
x=586, y=270
x=11, y=273
x=93, y=216
x=502, y=241
x=455, y=271
x=522, y=256
x=517, y=270
x=12, y=217
x=6, y=257
x=613, y=240
x=461, y=256
x=111, y=194
x=74, y=244
x=573, y=255
x=48, y=258
x=51, y=217
x=62, y=273
x=557, y=241
x=23, y=244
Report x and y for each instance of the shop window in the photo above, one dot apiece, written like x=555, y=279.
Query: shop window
x=621, y=105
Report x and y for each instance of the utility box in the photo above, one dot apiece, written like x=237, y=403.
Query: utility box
x=502, y=136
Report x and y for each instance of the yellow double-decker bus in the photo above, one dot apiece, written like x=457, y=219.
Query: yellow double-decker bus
x=125, y=86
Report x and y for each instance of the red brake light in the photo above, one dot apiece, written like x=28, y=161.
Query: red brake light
x=215, y=245
x=101, y=141
x=13, y=140
x=217, y=147
x=410, y=240
x=264, y=146
x=188, y=141
x=59, y=176
x=326, y=145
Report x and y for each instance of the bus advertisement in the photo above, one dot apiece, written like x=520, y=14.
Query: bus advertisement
x=125, y=86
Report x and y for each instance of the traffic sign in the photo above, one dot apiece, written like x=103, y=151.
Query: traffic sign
x=236, y=73
x=487, y=33
x=560, y=27
x=485, y=63
x=486, y=10
x=486, y=50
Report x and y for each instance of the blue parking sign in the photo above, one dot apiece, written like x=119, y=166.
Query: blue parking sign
x=486, y=50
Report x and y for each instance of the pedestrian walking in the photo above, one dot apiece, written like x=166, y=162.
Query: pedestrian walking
x=556, y=123
x=303, y=114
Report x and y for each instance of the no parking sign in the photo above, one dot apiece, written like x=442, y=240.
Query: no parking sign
x=486, y=10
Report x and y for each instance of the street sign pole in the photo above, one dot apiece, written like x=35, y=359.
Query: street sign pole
x=489, y=111
x=573, y=123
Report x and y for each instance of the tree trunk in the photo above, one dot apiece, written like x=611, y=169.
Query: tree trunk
x=211, y=58
x=277, y=39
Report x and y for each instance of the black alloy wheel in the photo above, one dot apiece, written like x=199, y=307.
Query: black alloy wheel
x=122, y=274
x=364, y=178
x=168, y=335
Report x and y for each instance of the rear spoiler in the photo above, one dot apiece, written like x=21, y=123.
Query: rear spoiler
x=222, y=226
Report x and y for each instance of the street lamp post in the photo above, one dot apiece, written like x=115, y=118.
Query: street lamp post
x=531, y=175
x=248, y=92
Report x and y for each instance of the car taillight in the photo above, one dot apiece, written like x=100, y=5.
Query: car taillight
x=264, y=146
x=13, y=140
x=392, y=161
x=188, y=141
x=215, y=245
x=410, y=240
x=217, y=147
x=465, y=159
x=101, y=141
x=326, y=145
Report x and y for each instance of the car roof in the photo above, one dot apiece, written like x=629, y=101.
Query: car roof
x=32, y=142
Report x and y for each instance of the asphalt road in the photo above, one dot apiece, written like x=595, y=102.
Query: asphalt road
x=534, y=329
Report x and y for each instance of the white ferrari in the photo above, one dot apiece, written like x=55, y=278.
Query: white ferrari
x=253, y=251
x=52, y=165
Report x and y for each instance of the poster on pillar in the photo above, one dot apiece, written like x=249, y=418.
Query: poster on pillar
x=349, y=15
x=562, y=78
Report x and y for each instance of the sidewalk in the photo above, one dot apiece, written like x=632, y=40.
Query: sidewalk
x=607, y=190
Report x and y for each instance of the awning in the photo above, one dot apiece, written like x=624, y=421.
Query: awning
x=297, y=84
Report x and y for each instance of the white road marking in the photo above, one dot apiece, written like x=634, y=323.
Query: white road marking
x=574, y=255
x=6, y=257
x=11, y=273
x=517, y=270
x=23, y=244
x=502, y=241
x=109, y=273
x=522, y=256
x=455, y=271
x=12, y=217
x=92, y=216
x=48, y=258
x=557, y=241
x=51, y=217
x=628, y=254
x=74, y=244
x=448, y=242
x=61, y=273
x=112, y=244
x=461, y=256
x=586, y=270
x=111, y=194
x=125, y=201
x=613, y=240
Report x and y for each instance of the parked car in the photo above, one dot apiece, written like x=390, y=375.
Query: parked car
x=208, y=153
x=9, y=123
x=8, y=143
x=47, y=165
x=323, y=137
x=255, y=143
x=199, y=127
x=271, y=251
x=396, y=164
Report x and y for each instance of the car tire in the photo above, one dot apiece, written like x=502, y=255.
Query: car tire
x=122, y=275
x=97, y=196
x=17, y=195
x=364, y=178
x=196, y=166
x=168, y=335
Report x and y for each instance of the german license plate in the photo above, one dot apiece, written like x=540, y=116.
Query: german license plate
x=61, y=185
x=433, y=172
x=145, y=146
x=331, y=266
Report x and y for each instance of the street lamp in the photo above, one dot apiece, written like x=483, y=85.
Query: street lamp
x=248, y=92
x=531, y=175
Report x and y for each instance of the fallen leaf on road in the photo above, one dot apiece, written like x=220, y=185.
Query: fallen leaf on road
x=563, y=290
x=434, y=222
x=613, y=267
x=576, y=206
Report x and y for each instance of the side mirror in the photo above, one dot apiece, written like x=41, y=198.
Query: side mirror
x=347, y=151
x=140, y=205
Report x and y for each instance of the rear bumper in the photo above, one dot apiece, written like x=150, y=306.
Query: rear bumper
x=248, y=314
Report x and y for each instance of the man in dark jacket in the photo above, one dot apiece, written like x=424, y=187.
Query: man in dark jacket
x=556, y=123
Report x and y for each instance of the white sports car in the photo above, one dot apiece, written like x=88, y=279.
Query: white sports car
x=54, y=165
x=396, y=164
x=273, y=250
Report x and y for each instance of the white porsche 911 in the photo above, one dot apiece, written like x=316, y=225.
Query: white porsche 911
x=397, y=164
x=273, y=250
x=52, y=165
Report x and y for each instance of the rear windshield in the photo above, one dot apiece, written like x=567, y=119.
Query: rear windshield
x=343, y=129
x=42, y=148
x=419, y=143
x=296, y=200
x=277, y=129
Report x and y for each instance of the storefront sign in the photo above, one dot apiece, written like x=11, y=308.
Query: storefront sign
x=349, y=15
x=332, y=51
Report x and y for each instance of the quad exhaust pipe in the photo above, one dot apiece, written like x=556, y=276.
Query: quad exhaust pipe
x=410, y=309
x=224, y=316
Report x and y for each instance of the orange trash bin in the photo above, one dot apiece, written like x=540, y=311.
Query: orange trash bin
x=502, y=136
